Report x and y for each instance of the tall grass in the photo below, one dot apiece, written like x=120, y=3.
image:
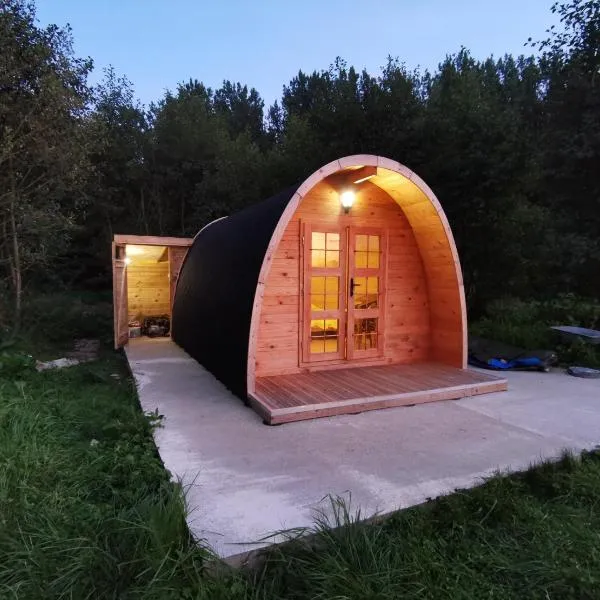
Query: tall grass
x=532, y=535
x=86, y=508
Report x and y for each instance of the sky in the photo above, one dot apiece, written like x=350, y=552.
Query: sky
x=264, y=43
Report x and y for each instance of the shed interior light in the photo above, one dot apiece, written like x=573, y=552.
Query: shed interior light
x=131, y=250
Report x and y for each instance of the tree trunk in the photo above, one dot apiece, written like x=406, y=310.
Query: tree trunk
x=16, y=254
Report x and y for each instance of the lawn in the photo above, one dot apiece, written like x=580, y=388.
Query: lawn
x=88, y=511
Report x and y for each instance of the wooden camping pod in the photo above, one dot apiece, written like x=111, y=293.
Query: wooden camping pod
x=246, y=306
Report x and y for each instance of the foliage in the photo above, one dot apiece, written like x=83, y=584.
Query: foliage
x=13, y=364
x=42, y=145
x=61, y=317
x=526, y=324
x=510, y=146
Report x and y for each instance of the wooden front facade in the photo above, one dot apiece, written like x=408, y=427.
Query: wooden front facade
x=397, y=327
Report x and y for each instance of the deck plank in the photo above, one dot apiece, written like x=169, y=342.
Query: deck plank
x=285, y=398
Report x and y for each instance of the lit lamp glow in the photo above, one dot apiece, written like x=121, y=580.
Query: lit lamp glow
x=133, y=250
x=347, y=198
x=127, y=260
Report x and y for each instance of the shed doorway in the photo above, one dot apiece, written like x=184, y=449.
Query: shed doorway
x=344, y=293
x=145, y=273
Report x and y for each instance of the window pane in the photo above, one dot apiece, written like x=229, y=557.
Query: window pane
x=317, y=302
x=331, y=327
x=317, y=328
x=331, y=302
x=333, y=241
x=331, y=345
x=372, y=292
x=318, y=258
x=331, y=285
x=373, y=243
x=333, y=258
x=365, y=341
x=324, y=335
x=365, y=334
x=360, y=260
x=365, y=325
x=360, y=292
x=317, y=285
x=317, y=346
x=373, y=285
x=373, y=260
x=318, y=241
x=362, y=242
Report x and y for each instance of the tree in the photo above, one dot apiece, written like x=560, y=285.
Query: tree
x=43, y=102
x=116, y=134
x=571, y=138
x=242, y=110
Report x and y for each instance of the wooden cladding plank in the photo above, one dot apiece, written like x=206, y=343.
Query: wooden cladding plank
x=148, y=290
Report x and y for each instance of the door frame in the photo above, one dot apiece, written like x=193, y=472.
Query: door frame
x=119, y=276
x=119, y=282
x=346, y=358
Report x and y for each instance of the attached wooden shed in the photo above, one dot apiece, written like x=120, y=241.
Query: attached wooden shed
x=145, y=271
x=339, y=295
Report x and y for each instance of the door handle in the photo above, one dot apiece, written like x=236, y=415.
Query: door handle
x=352, y=286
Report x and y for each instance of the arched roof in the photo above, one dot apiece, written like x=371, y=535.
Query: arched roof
x=218, y=301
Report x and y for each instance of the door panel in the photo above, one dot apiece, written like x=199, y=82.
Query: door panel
x=324, y=293
x=344, y=293
x=366, y=292
x=121, y=317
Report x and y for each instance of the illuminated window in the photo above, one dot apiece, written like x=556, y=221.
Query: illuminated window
x=366, y=292
x=324, y=292
x=324, y=336
x=366, y=251
x=365, y=334
x=325, y=250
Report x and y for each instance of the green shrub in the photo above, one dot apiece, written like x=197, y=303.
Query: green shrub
x=526, y=324
x=63, y=317
x=15, y=363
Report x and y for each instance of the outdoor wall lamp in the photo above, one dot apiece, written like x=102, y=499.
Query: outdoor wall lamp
x=347, y=198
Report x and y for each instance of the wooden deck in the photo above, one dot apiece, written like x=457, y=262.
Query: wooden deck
x=286, y=398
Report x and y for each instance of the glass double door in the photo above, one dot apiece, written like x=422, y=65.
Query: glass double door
x=344, y=293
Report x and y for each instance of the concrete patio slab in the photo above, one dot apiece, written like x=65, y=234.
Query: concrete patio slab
x=247, y=480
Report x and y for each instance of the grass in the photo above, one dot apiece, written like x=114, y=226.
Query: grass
x=86, y=507
x=88, y=511
x=533, y=535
